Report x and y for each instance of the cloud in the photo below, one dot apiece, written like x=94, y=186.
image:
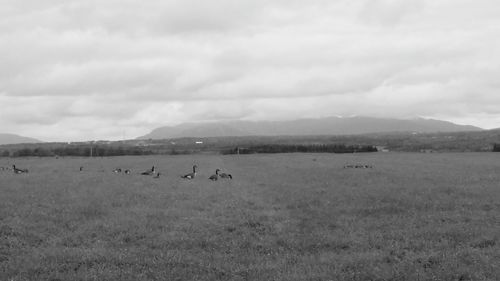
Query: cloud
x=104, y=67
x=389, y=12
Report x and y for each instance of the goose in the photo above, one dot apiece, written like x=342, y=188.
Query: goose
x=127, y=171
x=149, y=172
x=157, y=175
x=226, y=176
x=215, y=176
x=117, y=170
x=19, y=171
x=190, y=176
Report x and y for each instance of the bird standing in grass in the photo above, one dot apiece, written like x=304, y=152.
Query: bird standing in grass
x=190, y=176
x=149, y=172
x=215, y=176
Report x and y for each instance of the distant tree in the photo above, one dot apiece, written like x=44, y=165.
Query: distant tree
x=496, y=147
x=42, y=152
x=291, y=148
x=24, y=152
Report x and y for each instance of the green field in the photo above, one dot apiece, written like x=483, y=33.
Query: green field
x=282, y=217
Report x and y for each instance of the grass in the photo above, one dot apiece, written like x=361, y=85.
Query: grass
x=282, y=217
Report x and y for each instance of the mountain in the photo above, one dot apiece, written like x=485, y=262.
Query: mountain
x=301, y=127
x=13, y=139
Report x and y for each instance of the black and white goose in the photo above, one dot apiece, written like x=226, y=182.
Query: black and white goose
x=117, y=170
x=226, y=176
x=127, y=171
x=190, y=176
x=215, y=176
x=19, y=171
x=149, y=172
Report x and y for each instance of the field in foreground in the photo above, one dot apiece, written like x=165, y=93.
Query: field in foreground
x=282, y=217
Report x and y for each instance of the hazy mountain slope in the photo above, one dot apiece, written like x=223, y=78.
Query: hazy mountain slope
x=321, y=126
x=196, y=130
x=13, y=139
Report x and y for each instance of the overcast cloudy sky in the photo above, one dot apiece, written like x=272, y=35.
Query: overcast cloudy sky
x=109, y=69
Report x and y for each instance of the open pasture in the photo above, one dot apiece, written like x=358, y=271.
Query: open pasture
x=282, y=217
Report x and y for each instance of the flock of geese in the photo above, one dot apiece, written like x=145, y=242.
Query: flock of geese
x=358, y=166
x=149, y=172
x=189, y=176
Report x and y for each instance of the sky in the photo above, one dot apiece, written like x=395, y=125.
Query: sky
x=116, y=69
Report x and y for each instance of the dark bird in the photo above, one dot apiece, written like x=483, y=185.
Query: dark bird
x=19, y=171
x=81, y=168
x=215, y=176
x=149, y=172
x=226, y=176
x=190, y=176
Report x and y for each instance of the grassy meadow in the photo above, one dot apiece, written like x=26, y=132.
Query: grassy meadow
x=282, y=217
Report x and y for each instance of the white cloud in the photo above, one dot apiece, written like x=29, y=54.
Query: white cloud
x=73, y=70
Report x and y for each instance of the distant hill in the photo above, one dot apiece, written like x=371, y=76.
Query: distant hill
x=304, y=127
x=13, y=139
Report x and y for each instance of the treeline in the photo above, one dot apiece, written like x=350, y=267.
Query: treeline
x=72, y=150
x=312, y=148
x=114, y=150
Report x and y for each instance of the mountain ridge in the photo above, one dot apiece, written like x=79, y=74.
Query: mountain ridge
x=6, y=138
x=300, y=127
